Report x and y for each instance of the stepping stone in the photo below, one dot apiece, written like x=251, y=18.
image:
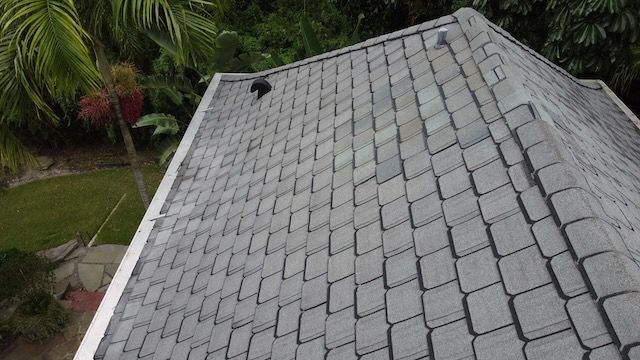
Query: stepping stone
x=91, y=275
x=58, y=253
x=105, y=254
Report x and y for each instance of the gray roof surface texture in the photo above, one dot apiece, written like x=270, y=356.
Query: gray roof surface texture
x=394, y=200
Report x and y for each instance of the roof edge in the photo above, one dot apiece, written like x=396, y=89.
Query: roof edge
x=466, y=12
x=102, y=317
x=428, y=25
x=616, y=100
x=596, y=245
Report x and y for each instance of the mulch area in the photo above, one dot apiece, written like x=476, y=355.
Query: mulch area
x=80, y=300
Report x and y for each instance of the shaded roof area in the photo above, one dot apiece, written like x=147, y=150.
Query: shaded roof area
x=394, y=200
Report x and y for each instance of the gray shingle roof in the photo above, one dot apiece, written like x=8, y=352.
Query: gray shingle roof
x=391, y=199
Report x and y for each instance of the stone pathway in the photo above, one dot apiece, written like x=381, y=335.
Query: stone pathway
x=84, y=268
x=99, y=265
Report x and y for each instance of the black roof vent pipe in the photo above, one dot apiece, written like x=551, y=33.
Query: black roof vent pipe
x=261, y=85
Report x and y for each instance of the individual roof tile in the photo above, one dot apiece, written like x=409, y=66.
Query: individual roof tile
x=347, y=352
x=403, y=302
x=312, y=323
x=499, y=344
x=284, y=347
x=446, y=160
x=548, y=237
x=523, y=270
x=426, y=210
x=587, y=321
x=397, y=239
x=409, y=339
x=567, y=274
x=437, y=268
x=452, y=341
x=443, y=304
x=417, y=164
x=288, y=318
x=395, y=212
x=489, y=309
x=371, y=333
x=498, y=204
x=400, y=268
x=563, y=345
x=477, y=270
x=369, y=266
x=342, y=238
x=421, y=186
x=480, y=154
x=511, y=234
x=341, y=265
x=489, y=177
x=316, y=264
x=340, y=328
x=541, y=312
x=454, y=182
x=341, y=294
x=370, y=297
x=266, y=315
x=314, y=292
x=239, y=342
x=388, y=169
x=369, y=238
x=460, y=208
x=261, y=345
x=430, y=237
x=622, y=312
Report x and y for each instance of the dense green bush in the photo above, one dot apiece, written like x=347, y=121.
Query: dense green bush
x=38, y=317
x=23, y=273
x=26, y=281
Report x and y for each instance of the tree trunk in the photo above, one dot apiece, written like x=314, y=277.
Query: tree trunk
x=105, y=71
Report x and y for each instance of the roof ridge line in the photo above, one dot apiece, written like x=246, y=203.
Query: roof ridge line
x=415, y=29
x=500, y=31
x=596, y=245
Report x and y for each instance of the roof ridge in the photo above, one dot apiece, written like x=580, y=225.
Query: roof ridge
x=462, y=12
x=415, y=29
x=596, y=245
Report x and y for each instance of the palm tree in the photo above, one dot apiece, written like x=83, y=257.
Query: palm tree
x=52, y=49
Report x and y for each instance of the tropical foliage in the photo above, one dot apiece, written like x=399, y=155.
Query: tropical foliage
x=587, y=37
x=177, y=45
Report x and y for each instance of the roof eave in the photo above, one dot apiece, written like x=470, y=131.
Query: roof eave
x=98, y=326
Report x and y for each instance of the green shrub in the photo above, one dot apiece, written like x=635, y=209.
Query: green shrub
x=26, y=281
x=23, y=273
x=39, y=317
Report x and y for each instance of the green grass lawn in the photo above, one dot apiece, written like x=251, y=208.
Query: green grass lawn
x=46, y=213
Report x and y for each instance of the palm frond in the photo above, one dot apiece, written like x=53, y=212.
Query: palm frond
x=13, y=154
x=22, y=94
x=180, y=26
x=51, y=42
x=625, y=75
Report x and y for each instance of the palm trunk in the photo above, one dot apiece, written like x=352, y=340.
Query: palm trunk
x=105, y=70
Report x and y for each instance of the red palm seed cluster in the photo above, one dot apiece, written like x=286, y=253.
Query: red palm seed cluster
x=96, y=108
x=131, y=107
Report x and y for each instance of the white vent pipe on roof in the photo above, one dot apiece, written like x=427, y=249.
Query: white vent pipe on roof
x=442, y=37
